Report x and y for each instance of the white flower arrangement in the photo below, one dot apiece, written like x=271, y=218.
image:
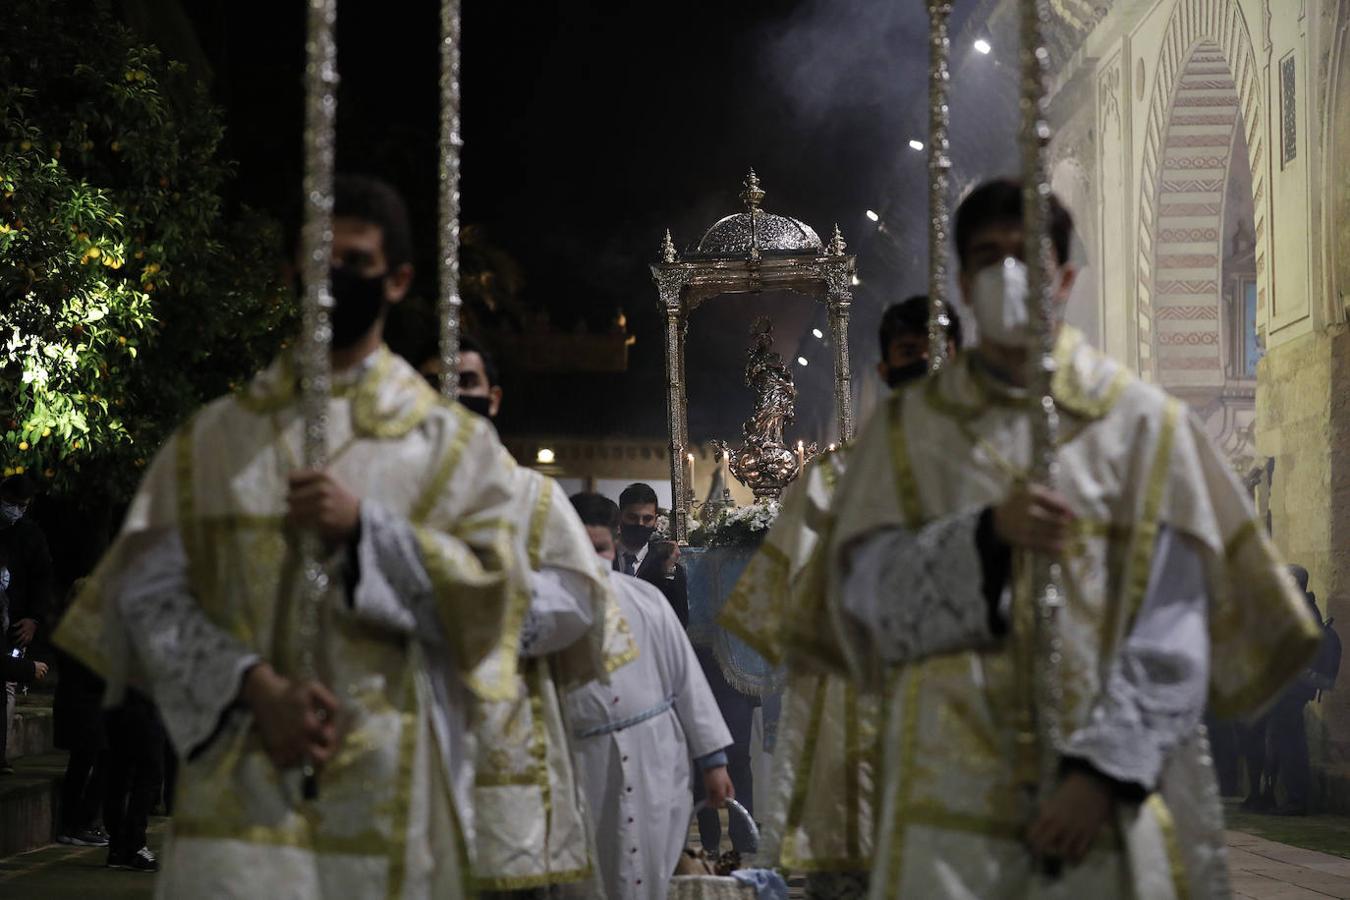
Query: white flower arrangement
x=737, y=526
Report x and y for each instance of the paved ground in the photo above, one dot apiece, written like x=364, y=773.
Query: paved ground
x=1263, y=869
x=58, y=872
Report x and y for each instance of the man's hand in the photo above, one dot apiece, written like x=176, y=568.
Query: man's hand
x=673, y=560
x=717, y=787
x=1069, y=821
x=1034, y=518
x=319, y=502
x=24, y=629
x=39, y=671
x=296, y=721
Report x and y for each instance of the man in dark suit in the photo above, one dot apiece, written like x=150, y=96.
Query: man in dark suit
x=656, y=563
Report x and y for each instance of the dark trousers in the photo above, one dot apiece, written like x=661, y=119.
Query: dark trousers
x=82, y=789
x=135, y=759
x=1252, y=738
x=1225, y=746
x=1287, y=742
x=738, y=711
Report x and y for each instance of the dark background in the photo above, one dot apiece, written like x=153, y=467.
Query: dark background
x=589, y=129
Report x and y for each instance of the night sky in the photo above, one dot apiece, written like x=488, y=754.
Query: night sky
x=589, y=129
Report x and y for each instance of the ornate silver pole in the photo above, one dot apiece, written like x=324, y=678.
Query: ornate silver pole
x=1035, y=141
x=669, y=286
x=448, y=299
x=321, y=80
x=939, y=179
x=839, y=298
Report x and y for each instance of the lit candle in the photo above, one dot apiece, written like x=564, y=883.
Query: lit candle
x=801, y=455
x=691, y=475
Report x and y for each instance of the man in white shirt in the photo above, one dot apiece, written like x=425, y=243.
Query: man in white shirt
x=633, y=738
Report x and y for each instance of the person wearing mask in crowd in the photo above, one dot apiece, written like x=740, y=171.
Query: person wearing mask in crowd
x=26, y=579
x=927, y=565
x=634, y=739
x=655, y=562
x=533, y=837
x=480, y=387
x=352, y=778
x=903, y=336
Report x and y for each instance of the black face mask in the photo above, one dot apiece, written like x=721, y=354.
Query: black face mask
x=635, y=535
x=357, y=302
x=478, y=405
x=905, y=374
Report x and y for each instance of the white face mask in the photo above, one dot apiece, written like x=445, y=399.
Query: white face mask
x=998, y=297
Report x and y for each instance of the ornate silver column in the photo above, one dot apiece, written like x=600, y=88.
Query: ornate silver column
x=316, y=240
x=839, y=289
x=447, y=273
x=1039, y=254
x=669, y=283
x=939, y=180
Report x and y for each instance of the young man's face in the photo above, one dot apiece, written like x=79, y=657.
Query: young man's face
x=643, y=514
x=906, y=350
x=358, y=245
x=602, y=539
x=473, y=381
x=997, y=241
x=17, y=506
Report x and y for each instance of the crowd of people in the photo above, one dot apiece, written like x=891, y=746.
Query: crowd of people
x=488, y=689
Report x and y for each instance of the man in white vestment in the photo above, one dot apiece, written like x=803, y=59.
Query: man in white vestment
x=531, y=837
x=199, y=602
x=820, y=804
x=634, y=738
x=1171, y=590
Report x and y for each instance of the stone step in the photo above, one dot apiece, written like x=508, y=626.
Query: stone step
x=32, y=731
x=28, y=802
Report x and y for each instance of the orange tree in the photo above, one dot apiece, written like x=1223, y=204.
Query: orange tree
x=127, y=295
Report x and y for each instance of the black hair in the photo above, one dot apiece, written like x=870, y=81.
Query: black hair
x=998, y=201
x=637, y=494
x=469, y=345
x=910, y=316
x=596, y=510
x=19, y=487
x=375, y=201
x=1300, y=575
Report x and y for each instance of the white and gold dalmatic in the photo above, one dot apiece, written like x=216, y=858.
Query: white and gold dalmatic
x=200, y=585
x=1170, y=584
x=531, y=827
x=819, y=807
